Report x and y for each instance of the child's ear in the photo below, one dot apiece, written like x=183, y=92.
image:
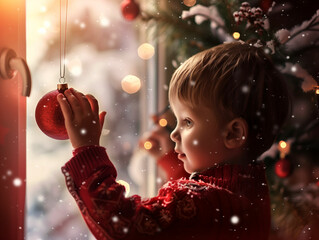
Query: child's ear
x=236, y=133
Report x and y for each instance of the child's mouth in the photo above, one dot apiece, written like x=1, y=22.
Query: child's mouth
x=181, y=156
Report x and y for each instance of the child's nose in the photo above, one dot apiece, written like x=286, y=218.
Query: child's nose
x=175, y=136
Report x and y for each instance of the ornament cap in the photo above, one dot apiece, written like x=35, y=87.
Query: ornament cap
x=62, y=87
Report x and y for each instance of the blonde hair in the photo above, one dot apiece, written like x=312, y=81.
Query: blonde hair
x=236, y=80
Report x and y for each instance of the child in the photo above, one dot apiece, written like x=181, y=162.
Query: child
x=229, y=102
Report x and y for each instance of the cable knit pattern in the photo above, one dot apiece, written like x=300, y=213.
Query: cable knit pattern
x=225, y=202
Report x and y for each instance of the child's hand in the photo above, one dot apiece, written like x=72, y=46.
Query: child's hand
x=82, y=119
x=160, y=140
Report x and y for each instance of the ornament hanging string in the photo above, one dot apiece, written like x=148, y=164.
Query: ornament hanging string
x=63, y=43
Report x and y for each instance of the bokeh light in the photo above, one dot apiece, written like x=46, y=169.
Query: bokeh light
x=189, y=3
x=148, y=145
x=146, y=51
x=236, y=35
x=162, y=122
x=282, y=144
x=75, y=67
x=131, y=84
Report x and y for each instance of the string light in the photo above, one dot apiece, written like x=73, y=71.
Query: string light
x=131, y=84
x=282, y=144
x=146, y=51
x=189, y=3
x=162, y=122
x=316, y=90
x=126, y=185
x=148, y=145
x=284, y=148
x=236, y=35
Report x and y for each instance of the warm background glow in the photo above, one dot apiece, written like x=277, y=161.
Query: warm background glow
x=131, y=84
x=146, y=51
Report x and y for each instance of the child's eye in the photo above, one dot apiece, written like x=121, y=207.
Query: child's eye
x=188, y=122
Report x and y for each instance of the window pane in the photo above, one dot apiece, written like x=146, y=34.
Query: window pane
x=101, y=51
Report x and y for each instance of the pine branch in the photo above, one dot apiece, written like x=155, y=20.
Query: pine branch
x=182, y=26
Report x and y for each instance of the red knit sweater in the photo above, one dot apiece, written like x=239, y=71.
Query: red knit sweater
x=225, y=202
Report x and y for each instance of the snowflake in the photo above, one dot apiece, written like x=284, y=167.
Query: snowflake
x=234, y=219
x=17, y=182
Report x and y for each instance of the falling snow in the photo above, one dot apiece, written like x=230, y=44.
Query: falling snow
x=83, y=131
x=17, y=182
x=245, y=89
x=234, y=219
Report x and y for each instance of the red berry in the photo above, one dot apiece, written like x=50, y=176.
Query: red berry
x=283, y=168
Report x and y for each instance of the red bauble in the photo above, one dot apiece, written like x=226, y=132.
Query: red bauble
x=283, y=168
x=49, y=116
x=130, y=9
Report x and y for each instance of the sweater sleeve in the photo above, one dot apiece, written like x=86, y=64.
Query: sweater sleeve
x=184, y=208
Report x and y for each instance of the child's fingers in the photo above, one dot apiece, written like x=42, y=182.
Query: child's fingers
x=102, y=118
x=82, y=100
x=65, y=107
x=74, y=103
x=94, y=104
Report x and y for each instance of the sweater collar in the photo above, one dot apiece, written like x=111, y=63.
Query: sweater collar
x=229, y=171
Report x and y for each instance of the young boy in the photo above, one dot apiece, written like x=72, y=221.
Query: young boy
x=229, y=102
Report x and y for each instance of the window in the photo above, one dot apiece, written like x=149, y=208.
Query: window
x=101, y=51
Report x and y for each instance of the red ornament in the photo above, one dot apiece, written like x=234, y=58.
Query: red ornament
x=49, y=116
x=283, y=168
x=130, y=9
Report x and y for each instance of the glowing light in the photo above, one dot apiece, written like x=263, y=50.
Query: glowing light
x=189, y=3
x=47, y=24
x=131, y=84
x=159, y=180
x=104, y=22
x=317, y=89
x=75, y=67
x=42, y=31
x=282, y=144
x=126, y=185
x=17, y=182
x=236, y=35
x=146, y=51
x=43, y=9
x=116, y=218
x=284, y=148
x=245, y=89
x=41, y=198
x=293, y=68
x=148, y=145
x=162, y=122
x=83, y=131
x=234, y=219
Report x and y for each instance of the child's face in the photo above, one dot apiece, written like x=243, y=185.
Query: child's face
x=198, y=137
